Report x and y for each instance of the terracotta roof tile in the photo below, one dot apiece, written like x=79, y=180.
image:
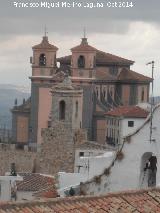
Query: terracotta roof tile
x=123, y=202
x=84, y=47
x=45, y=44
x=127, y=74
x=128, y=111
x=101, y=57
x=37, y=183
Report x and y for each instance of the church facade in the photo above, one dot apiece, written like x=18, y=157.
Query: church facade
x=107, y=81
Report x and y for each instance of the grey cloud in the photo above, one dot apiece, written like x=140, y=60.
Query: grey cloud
x=102, y=20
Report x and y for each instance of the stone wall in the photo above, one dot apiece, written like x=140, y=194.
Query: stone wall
x=56, y=153
x=23, y=159
x=58, y=149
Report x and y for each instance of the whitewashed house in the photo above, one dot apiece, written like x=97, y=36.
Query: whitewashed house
x=122, y=121
x=136, y=163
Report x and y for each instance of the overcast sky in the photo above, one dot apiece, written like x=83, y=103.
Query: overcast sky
x=133, y=33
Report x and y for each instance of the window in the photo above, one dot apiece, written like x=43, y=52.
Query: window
x=130, y=123
x=113, y=70
x=81, y=154
x=81, y=62
x=142, y=95
x=42, y=60
x=76, y=114
x=62, y=109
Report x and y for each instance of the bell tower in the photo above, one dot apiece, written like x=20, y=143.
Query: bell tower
x=83, y=60
x=43, y=68
x=44, y=59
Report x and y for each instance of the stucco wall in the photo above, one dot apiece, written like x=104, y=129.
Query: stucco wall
x=22, y=129
x=44, y=108
x=128, y=130
x=125, y=174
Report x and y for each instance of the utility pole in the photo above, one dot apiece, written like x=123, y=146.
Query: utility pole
x=152, y=101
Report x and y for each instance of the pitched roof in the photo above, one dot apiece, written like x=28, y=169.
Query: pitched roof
x=101, y=58
x=84, y=46
x=45, y=44
x=128, y=111
x=130, y=201
x=127, y=74
x=34, y=182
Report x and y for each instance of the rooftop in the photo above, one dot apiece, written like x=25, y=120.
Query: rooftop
x=128, y=111
x=101, y=58
x=84, y=46
x=125, y=202
x=128, y=75
x=35, y=182
x=45, y=44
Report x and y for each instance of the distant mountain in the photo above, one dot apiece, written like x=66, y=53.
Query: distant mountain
x=8, y=94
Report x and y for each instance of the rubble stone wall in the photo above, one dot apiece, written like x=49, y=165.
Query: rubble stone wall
x=56, y=153
x=23, y=159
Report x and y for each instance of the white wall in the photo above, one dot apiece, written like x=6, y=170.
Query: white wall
x=92, y=165
x=95, y=165
x=125, y=130
x=5, y=190
x=125, y=174
x=87, y=153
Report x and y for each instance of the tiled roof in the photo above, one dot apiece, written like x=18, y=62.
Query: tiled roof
x=45, y=45
x=145, y=201
x=127, y=74
x=49, y=192
x=34, y=182
x=128, y=111
x=83, y=47
x=101, y=58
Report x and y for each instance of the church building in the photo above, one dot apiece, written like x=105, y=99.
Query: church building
x=107, y=81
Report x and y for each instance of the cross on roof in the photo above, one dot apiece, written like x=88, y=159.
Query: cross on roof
x=84, y=31
x=45, y=31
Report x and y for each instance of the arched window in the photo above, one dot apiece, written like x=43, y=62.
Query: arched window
x=42, y=60
x=62, y=109
x=76, y=114
x=81, y=62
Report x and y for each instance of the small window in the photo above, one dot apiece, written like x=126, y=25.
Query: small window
x=76, y=114
x=113, y=70
x=81, y=62
x=62, y=110
x=42, y=60
x=130, y=123
x=142, y=95
x=81, y=154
